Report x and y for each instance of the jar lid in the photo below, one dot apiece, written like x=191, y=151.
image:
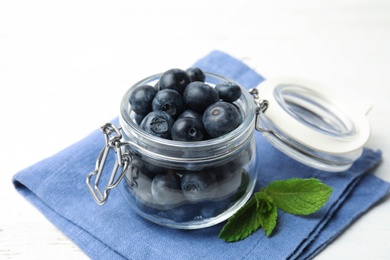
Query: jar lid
x=313, y=123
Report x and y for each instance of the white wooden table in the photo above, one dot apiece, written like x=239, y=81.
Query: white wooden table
x=65, y=65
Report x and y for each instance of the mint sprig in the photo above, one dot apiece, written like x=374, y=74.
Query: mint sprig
x=294, y=196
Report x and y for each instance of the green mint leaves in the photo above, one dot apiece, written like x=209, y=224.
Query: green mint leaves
x=294, y=196
x=299, y=196
x=260, y=211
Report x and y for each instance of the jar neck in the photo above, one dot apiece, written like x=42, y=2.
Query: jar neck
x=184, y=154
x=187, y=153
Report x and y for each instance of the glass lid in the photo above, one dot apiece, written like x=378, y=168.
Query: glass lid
x=312, y=123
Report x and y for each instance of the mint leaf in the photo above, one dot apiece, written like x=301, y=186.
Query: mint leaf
x=295, y=196
x=260, y=211
x=243, y=223
x=268, y=212
x=299, y=196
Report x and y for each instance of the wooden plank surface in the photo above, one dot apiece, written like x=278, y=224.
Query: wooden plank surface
x=65, y=66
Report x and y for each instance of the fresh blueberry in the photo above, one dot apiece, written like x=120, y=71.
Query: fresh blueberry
x=168, y=101
x=166, y=190
x=196, y=74
x=175, y=79
x=239, y=111
x=242, y=189
x=158, y=123
x=198, y=96
x=199, y=185
x=134, y=171
x=138, y=180
x=138, y=118
x=237, y=162
x=228, y=91
x=143, y=168
x=211, y=209
x=221, y=118
x=141, y=99
x=145, y=206
x=187, y=129
x=228, y=182
x=191, y=114
x=157, y=85
x=154, y=169
x=183, y=213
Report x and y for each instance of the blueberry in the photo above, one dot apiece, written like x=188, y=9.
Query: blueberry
x=228, y=182
x=166, y=190
x=187, y=129
x=147, y=208
x=158, y=123
x=183, y=213
x=168, y=101
x=239, y=111
x=242, y=189
x=154, y=168
x=196, y=74
x=237, y=162
x=157, y=85
x=175, y=79
x=211, y=209
x=141, y=99
x=221, y=118
x=138, y=180
x=138, y=118
x=191, y=114
x=199, y=186
x=198, y=96
x=228, y=91
x=133, y=171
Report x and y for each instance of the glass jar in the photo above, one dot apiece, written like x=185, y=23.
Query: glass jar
x=191, y=185
x=187, y=185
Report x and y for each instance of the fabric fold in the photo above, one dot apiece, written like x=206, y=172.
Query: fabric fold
x=56, y=186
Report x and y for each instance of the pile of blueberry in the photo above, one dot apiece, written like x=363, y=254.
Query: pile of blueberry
x=181, y=195
x=182, y=107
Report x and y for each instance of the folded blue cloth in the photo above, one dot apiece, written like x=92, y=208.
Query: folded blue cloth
x=56, y=186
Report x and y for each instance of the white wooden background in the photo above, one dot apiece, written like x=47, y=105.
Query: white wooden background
x=64, y=66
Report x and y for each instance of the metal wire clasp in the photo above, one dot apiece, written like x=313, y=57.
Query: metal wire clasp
x=112, y=137
x=261, y=107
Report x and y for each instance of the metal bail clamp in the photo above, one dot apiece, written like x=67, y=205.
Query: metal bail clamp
x=113, y=142
x=261, y=107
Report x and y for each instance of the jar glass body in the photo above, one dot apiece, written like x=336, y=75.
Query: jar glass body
x=189, y=185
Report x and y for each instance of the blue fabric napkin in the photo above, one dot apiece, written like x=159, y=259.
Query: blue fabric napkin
x=56, y=186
